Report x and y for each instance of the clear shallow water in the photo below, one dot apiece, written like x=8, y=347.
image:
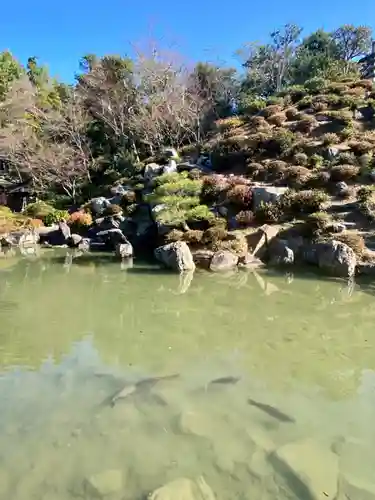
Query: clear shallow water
x=73, y=334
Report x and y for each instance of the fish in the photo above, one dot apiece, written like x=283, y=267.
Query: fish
x=144, y=385
x=271, y=411
x=225, y=380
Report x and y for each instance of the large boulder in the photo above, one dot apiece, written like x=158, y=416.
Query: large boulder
x=124, y=250
x=176, y=256
x=259, y=240
x=112, y=238
x=266, y=194
x=202, y=258
x=152, y=170
x=223, y=260
x=20, y=238
x=184, y=489
x=57, y=237
x=279, y=253
x=98, y=205
x=334, y=257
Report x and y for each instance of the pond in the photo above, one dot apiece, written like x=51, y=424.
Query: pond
x=270, y=388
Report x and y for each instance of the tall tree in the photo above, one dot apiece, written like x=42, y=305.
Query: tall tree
x=352, y=41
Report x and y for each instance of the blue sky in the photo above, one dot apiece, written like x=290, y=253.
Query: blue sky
x=60, y=33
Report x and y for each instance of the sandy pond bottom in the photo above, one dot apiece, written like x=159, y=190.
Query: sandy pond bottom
x=290, y=414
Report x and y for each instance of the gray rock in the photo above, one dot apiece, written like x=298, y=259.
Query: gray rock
x=279, y=253
x=336, y=227
x=112, y=237
x=223, y=260
x=334, y=257
x=124, y=250
x=249, y=261
x=202, y=258
x=184, y=489
x=20, y=238
x=311, y=470
x=84, y=245
x=266, y=194
x=98, y=205
x=104, y=483
x=74, y=240
x=65, y=230
x=332, y=153
x=171, y=167
x=176, y=256
x=152, y=170
x=337, y=258
x=259, y=240
x=340, y=188
x=372, y=175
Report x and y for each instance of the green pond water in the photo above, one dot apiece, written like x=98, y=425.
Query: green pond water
x=74, y=333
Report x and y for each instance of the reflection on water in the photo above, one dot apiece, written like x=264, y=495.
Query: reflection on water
x=274, y=396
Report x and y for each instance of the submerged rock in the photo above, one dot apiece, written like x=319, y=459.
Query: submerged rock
x=75, y=240
x=112, y=237
x=259, y=240
x=104, y=483
x=310, y=469
x=176, y=256
x=202, y=258
x=184, y=489
x=20, y=238
x=223, y=260
x=337, y=258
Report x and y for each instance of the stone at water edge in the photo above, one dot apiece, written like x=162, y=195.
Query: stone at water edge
x=176, y=256
x=104, y=483
x=124, y=250
x=310, y=469
x=20, y=238
x=112, y=237
x=223, y=260
x=184, y=489
x=75, y=240
x=98, y=205
x=259, y=240
x=64, y=230
x=279, y=253
x=202, y=258
x=336, y=258
x=248, y=261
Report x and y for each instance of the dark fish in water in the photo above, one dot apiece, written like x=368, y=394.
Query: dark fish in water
x=225, y=380
x=271, y=411
x=144, y=385
x=7, y=305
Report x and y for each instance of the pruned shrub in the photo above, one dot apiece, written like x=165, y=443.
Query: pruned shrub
x=361, y=147
x=300, y=159
x=280, y=142
x=269, y=213
x=79, y=220
x=195, y=174
x=55, y=216
x=318, y=180
x=295, y=92
x=193, y=236
x=365, y=193
x=271, y=110
x=296, y=176
x=344, y=173
x=174, y=235
x=214, y=234
x=347, y=132
x=316, y=84
x=278, y=119
x=239, y=195
x=258, y=122
x=346, y=158
x=337, y=88
x=249, y=105
x=212, y=186
x=364, y=84
x=275, y=169
x=38, y=210
x=306, y=124
x=341, y=117
x=128, y=198
x=330, y=138
x=273, y=99
x=319, y=106
x=318, y=222
x=200, y=213
x=245, y=218
x=304, y=202
x=315, y=160
x=292, y=114
x=304, y=103
x=227, y=124
x=112, y=210
x=354, y=240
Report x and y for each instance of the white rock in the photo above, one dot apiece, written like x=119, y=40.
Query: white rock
x=176, y=256
x=104, y=483
x=223, y=260
x=311, y=470
x=266, y=194
x=184, y=489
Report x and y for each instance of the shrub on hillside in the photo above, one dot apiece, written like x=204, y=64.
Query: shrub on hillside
x=275, y=169
x=112, y=210
x=365, y=193
x=365, y=162
x=315, y=160
x=249, y=105
x=258, y=122
x=273, y=99
x=319, y=106
x=280, y=142
x=38, y=210
x=344, y=173
x=361, y=147
x=195, y=174
x=304, y=202
x=269, y=213
x=341, y=117
x=304, y=103
x=296, y=176
x=318, y=180
x=354, y=240
x=347, y=132
x=227, y=124
x=337, y=88
x=245, y=218
x=346, y=158
x=278, y=119
x=316, y=85
x=294, y=92
x=212, y=187
x=300, y=159
x=330, y=138
x=193, y=236
x=214, y=234
x=174, y=235
x=79, y=220
x=318, y=222
x=292, y=114
x=200, y=213
x=271, y=110
x=55, y=217
x=306, y=124
x=239, y=195
x=365, y=84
